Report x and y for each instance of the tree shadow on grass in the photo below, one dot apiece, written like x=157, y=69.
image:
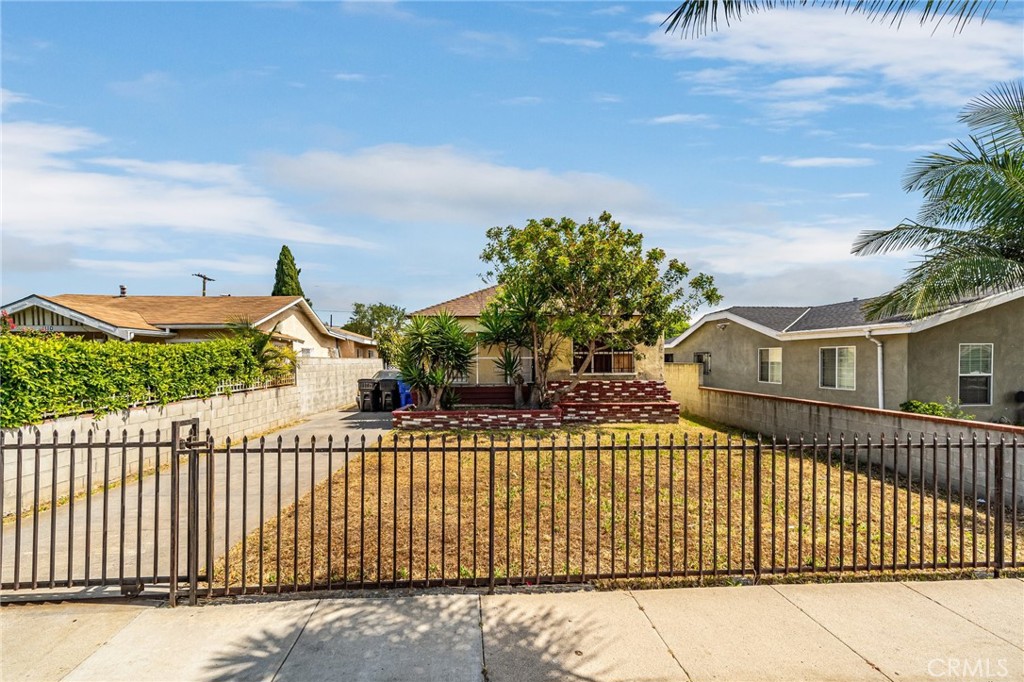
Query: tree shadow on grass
x=427, y=637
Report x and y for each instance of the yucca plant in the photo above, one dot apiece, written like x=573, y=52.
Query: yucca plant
x=432, y=353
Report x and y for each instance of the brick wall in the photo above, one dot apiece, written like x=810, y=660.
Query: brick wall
x=603, y=413
x=320, y=384
x=476, y=419
x=622, y=391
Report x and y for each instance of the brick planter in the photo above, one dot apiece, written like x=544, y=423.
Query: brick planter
x=615, y=391
x=407, y=419
x=602, y=413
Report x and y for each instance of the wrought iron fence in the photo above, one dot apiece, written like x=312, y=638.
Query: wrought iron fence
x=275, y=516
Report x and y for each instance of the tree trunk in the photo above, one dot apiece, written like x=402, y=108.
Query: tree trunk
x=576, y=378
x=540, y=380
x=517, y=391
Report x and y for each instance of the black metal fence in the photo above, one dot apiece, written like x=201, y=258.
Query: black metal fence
x=270, y=516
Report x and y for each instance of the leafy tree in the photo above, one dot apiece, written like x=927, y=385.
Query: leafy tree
x=971, y=226
x=697, y=17
x=432, y=354
x=593, y=283
x=286, y=276
x=368, y=320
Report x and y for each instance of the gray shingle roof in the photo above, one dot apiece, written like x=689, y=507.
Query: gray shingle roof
x=808, y=318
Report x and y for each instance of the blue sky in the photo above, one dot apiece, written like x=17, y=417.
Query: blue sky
x=143, y=142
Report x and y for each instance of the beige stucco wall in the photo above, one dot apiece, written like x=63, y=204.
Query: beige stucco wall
x=934, y=360
x=293, y=323
x=649, y=362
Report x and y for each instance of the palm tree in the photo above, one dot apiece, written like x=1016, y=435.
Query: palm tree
x=276, y=361
x=971, y=226
x=697, y=17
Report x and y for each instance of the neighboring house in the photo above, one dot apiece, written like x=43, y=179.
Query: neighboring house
x=183, y=319
x=972, y=353
x=643, y=362
x=355, y=345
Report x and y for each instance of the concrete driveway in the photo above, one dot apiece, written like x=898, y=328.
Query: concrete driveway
x=146, y=547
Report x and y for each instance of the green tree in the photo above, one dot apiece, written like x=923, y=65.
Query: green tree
x=971, y=225
x=697, y=17
x=432, y=354
x=369, y=320
x=286, y=276
x=592, y=283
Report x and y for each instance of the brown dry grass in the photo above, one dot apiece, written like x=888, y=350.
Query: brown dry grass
x=395, y=515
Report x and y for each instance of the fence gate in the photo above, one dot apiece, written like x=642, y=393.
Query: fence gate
x=103, y=510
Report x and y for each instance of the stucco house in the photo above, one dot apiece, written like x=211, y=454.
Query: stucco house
x=972, y=353
x=642, y=362
x=183, y=319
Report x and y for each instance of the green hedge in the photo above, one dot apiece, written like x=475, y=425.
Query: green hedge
x=43, y=375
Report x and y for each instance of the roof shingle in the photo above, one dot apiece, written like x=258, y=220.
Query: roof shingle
x=470, y=305
x=152, y=312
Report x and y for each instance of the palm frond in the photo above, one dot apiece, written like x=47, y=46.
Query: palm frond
x=998, y=114
x=694, y=18
x=903, y=236
x=946, y=278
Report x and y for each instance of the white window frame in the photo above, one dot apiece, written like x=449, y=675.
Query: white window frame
x=769, y=379
x=990, y=374
x=821, y=377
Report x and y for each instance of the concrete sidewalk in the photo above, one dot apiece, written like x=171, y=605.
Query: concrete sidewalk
x=854, y=631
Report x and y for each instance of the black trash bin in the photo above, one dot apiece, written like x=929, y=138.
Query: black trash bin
x=369, y=395
x=390, y=397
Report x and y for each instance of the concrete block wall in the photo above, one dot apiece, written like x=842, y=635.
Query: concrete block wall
x=321, y=384
x=796, y=418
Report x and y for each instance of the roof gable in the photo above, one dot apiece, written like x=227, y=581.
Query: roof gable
x=470, y=305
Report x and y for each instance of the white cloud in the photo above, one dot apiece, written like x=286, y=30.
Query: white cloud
x=605, y=98
x=52, y=195
x=851, y=195
x=527, y=100
x=935, y=67
x=235, y=265
x=808, y=85
x=150, y=86
x=483, y=44
x=585, y=43
x=612, y=11
x=818, y=161
x=679, y=119
x=935, y=146
x=350, y=77
x=9, y=97
x=446, y=185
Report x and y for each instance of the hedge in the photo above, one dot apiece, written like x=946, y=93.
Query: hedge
x=42, y=376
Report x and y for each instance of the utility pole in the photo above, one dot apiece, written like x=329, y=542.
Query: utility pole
x=205, y=280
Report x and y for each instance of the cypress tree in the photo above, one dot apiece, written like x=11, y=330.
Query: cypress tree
x=286, y=276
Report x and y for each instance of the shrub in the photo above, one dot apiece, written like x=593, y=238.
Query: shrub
x=55, y=374
x=950, y=409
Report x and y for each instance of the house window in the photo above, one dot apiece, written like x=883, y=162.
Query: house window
x=975, y=374
x=769, y=365
x=670, y=358
x=838, y=367
x=607, y=360
x=703, y=358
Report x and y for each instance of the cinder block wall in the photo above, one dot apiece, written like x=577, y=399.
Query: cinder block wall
x=321, y=384
x=795, y=418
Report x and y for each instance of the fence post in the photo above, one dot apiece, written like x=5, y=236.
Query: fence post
x=1000, y=549
x=757, y=509
x=490, y=521
x=172, y=590
x=193, y=523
